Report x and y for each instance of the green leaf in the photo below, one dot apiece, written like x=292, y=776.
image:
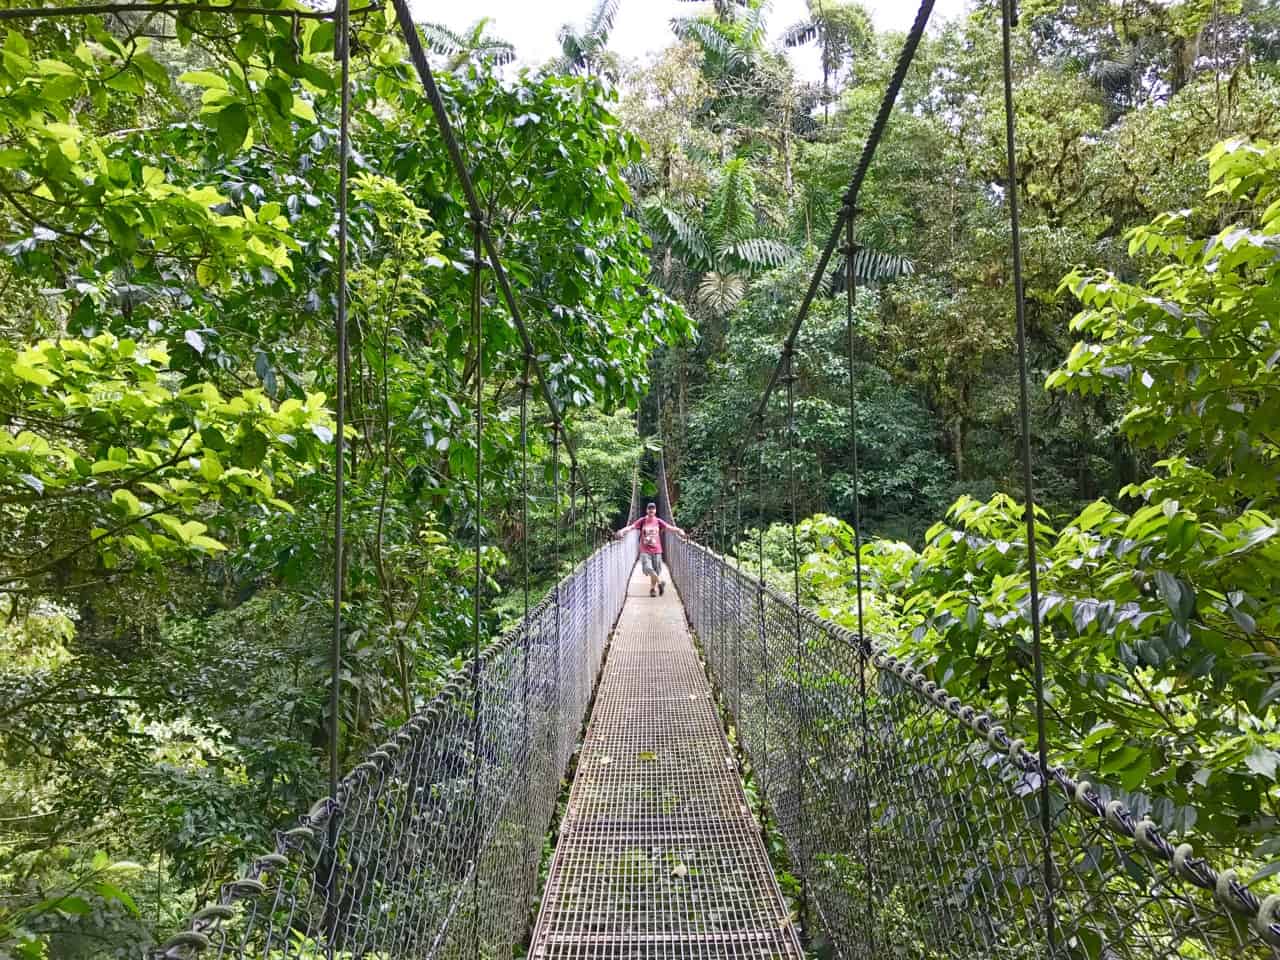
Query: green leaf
x=125, y=499
x=109, y=891
x=74, y=905
x=233, y=128
x=210, y=466
x=207, y=544
x=204, y=78
x=1262, y=762
x=37, y=375
x=253, y=449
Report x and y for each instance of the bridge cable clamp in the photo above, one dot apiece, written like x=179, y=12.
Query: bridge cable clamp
x=1117, y=815
x=994, y=734
x=1142, y=832
x=1082, y=798
x=1267, y=921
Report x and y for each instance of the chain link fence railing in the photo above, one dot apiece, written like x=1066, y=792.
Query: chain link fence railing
x=433, y=846
x=913, y=821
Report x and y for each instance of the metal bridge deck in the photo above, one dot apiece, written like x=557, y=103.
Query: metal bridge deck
x=658, y=853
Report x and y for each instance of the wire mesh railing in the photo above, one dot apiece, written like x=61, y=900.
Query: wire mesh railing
x=433, y=845
x=913, y=820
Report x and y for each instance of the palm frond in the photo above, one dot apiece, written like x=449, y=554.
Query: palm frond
x=440, y=39
x=872, y=266
x=798, y=34
x=641, y=174
x=601, y=22
x=709, y=37
x=732, y=212
x=757, y=253
x=721, y=292
x=674, y=229
x=751, y=28
x=498, y=51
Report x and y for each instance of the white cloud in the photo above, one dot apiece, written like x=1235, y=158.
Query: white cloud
x=642, y=27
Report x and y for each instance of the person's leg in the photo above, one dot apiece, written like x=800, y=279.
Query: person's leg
x=657, y=570
x=646, y=565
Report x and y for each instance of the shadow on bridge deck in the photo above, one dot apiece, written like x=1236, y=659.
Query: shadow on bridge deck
x=658, y=853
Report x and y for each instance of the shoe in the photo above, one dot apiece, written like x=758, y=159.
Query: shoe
x=652, y=592
x=662, y=586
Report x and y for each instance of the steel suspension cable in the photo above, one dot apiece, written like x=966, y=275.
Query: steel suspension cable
x=524, y=562
x=418, y=57
x=342, y=45
x=851, y=251
x=477, y=335
x=1008, y=18
x=849, y=201
x=801, y=753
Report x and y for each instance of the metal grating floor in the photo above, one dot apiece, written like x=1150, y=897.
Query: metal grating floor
x=658, y=853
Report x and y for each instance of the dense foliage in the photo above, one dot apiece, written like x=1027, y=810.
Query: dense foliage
x=167, y=210
x=168, y=201
x=1153, y=352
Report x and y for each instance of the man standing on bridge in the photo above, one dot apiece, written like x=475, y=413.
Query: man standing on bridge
x=650, y=526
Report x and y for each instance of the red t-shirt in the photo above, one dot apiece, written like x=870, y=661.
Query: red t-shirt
x=649, y=528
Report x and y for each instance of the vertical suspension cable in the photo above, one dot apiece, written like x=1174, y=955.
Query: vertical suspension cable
x=1007, y=20
x=801, y=759
x=343, y=51
x=525, y=641
x=762, y=769
x=477, y=333
x=850, y=298
x=555, y=557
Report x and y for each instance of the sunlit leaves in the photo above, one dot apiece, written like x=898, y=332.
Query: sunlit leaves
x=136, y=452
x=1196, y=347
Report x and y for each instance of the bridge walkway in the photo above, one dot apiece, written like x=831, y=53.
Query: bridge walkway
x=658, y=853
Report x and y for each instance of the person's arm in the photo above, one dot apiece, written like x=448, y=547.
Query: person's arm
x=630, y=526
x=671, y=526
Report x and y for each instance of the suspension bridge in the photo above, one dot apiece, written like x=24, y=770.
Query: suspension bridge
x=909, y=821
x=747, y=779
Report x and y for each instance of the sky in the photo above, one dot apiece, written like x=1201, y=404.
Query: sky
x=642, y=25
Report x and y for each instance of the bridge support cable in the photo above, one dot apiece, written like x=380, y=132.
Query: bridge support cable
x=1008, y=19
x=800, y=756
x=477, y=518
x=851, y=286
x=418, y=57
x=849, y=201
x=954, y=827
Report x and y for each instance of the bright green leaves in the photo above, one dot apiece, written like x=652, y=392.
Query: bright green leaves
x=1196, y=347
x=1154, y=638
x=232, y=124
x=115, y=442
